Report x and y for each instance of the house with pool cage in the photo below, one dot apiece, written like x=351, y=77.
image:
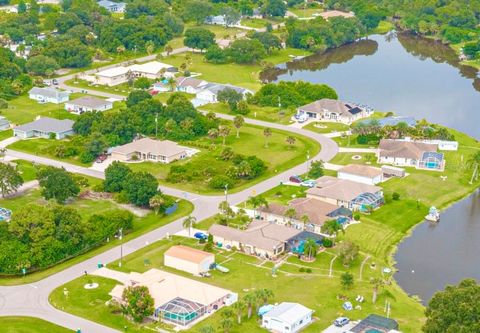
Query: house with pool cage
x=178, y=300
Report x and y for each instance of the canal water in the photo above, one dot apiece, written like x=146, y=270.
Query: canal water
x=407, y=75
x=413, y=77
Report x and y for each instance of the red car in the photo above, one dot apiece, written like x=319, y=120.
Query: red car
x=101, y=158
x=295, y=179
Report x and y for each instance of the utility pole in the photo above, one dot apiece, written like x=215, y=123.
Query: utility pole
x=226, y=193
x=156, y=125
x=120, y=237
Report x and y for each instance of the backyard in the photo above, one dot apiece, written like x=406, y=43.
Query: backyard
x=265, y=113
x=278, y=156
x=247, y=274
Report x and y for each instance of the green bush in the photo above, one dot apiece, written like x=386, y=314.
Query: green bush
x=395, y=196
x=302, y=270
x=121, y=197
x=327, y=242
x=3, y=104
x=219, y=182
x=308, y=270
x=356, y=217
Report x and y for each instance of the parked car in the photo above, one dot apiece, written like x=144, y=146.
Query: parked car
x=295, y=179
x=200, y=235
x=55, y=81
x=308, y=183
x=101, y=158
x=341, y=321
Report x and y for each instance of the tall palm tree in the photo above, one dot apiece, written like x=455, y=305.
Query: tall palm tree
x=257, y=202
x=290, y=213
x=168, y=49
x=189, y=222
x=238, y=122
x=223, y=131
x=267, y=132
x=266, y=294
x=238, y=307
x=226, y=324
x=207, y=329
x=172, y=83
x=212, y=134
x=250, y=299
x=310, y=248
x=305, y=219
x=291, y=140
x=474, y=163
x=376, y=283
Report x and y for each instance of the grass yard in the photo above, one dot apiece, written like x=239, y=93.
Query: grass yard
x=326, y=127
x=259, y=23
x=315, y=289
x=347, y=158
x=243, y=75
x=307, y=12
x=6, y=134
x=26, y=169
x=350, y=141
x=265, y=113
x=278, y=157
x=29, y=325
x=86, y=208
x=47, y=148
x=121, y=89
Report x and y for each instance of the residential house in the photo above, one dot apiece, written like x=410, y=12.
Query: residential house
x=315, y=211
x=332, y=110
x=263, y=239
x=178, y=300
x=347, y=193
x=153, y=70
x=112, y=7
x=335, y=13
x=375, y=323
x=220, y=20
x=48, y=95
x=4, y=123
x=287, y=317
x=188, y=259
x=361, y=173
x=44, y=128
x=190, y=85
x=110, y=77
x=146, y=149
x=88, y=104
x=209, y=93
x=410, y=153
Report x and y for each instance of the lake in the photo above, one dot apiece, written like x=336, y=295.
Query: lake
x=414, y=77
x=410, y=76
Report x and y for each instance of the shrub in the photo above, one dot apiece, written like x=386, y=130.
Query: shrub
x=208, y=247
x=219, y=182
x=121, y=197
x=3, y=104
x=327, y=242
x=301, y=270
x=396, y=196
x=356, y=217
x=308, y=270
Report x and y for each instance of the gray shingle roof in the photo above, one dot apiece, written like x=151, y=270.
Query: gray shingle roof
x=89, y=102
x=217, y=87
x=49, y=125
x=49, y=92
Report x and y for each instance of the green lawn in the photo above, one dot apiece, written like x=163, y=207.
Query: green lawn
x=258, y=23
x=278, y=157
x=347, y=158
x=327, y=127
x=350, y=141
x=243, y=75
x=249, y=273
x=29, y=325
x=26, y=169
x=86, y=208
x=121, y=89
x=307, y=12
x=47, y=148
x=265, y=113
x=5, y=134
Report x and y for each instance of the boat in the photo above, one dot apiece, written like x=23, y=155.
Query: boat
x=433, y=215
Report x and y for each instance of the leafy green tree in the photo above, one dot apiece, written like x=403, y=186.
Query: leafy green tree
x=268, y=40
x=142, y=83
x=199, y=38
x=454, y=309
x=231, y=15
x=347, y=252
x=275, y=8
x=346, y=280
x=137, y=8
x=57, y=184
x=115, y=177
x=331, y=227
x=139, y=304
x=197, y=10
x=10, y=179
x=140, y=187
x=230, y=96
x=135, y=97
x=316, y=170
x=41, y=65
x=246, y=51
x=216, y=55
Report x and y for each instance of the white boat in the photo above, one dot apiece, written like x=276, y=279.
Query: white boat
x=433, y=215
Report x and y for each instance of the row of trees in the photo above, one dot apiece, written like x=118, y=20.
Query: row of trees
x=13, y=78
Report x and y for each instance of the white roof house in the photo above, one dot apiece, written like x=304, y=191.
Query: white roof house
x=361, y=173
x=44, y=127
x=48, y=95
x=146, y=149
x=188, y=259
x=112, y=7
x=287, y=318
x=4, y=123
x=152, y=69
x=88, y=104
x=209, y=93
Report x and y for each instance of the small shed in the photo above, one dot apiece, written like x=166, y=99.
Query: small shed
x=188, y=259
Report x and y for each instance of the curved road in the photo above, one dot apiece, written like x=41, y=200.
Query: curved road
x=33, y=299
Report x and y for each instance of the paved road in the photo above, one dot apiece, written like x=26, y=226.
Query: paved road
x=32, y=299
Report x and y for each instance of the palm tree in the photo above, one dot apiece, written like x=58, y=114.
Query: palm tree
x=223, y=131
x=250, y=299
x=207, y=329
x=224, y=207
x=120, y=49
x=238, y=122
x=212, y=134
x=156, y=202
x=291, y=140
x=474, y=163
x=376, y=283
x=239, y=306
x=172, y=83
x=265, y=294
x=257, y=202
x=305, y=219
x=310, y=247
x=290, y=213
x=168, y=49
x=150, y=47
x=267, y=132
x=226, y=324
x=189, y=222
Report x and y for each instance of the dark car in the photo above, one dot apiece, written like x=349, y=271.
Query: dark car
x=295, y=179
x=200, y=235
